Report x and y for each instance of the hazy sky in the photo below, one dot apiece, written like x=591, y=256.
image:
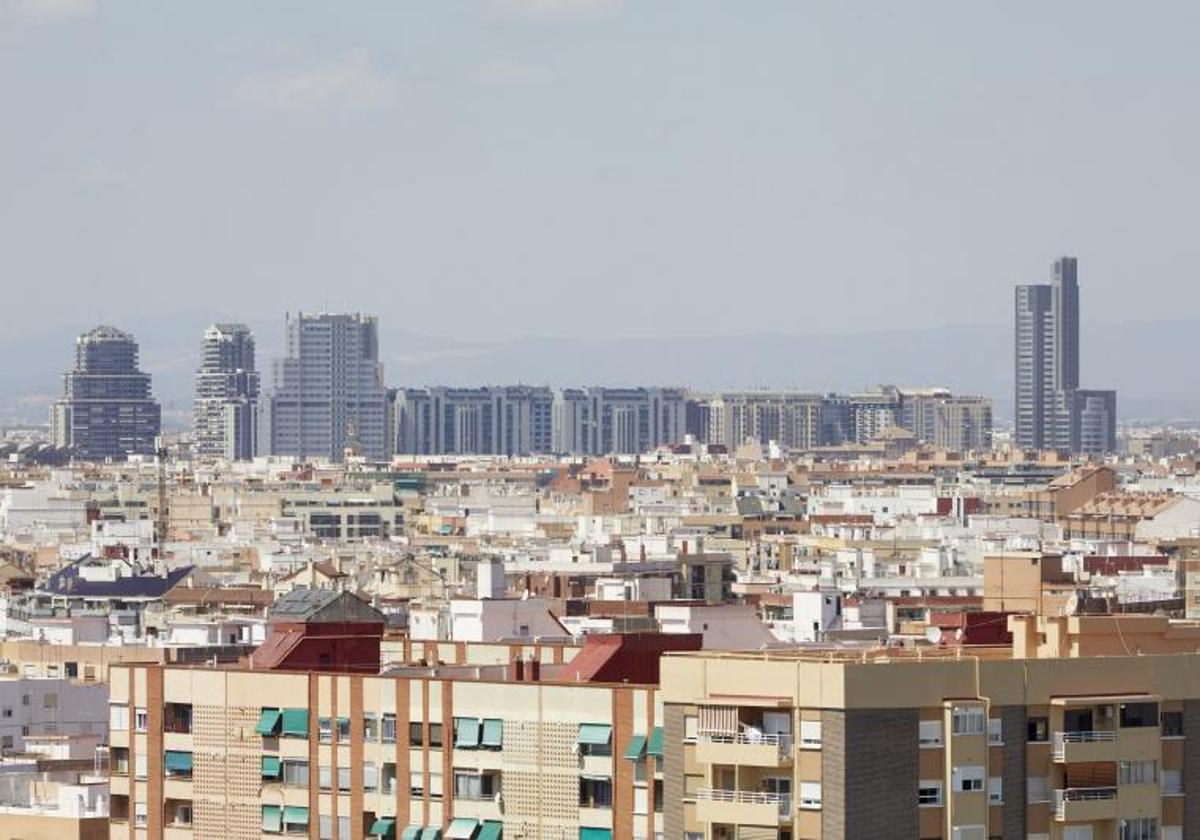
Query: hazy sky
x=551, y=167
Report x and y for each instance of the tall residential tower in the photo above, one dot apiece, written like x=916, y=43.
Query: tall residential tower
x=106, y=410
x=226, y=393
x=1052, y=412
x=327, y=392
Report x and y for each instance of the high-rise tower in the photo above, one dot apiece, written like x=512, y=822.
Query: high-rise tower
x=329, y=381
x=225, y=416
x=1052, y=412
x=106, y=410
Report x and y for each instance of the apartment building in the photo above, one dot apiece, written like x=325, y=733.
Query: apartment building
x=478, y=752
x=968, y=746
x=327, y=393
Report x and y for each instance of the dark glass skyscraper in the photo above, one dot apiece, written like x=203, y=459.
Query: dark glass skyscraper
x=106, y=410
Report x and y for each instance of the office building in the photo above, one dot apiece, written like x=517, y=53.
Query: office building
x=1052, y=412
x=106, y=410
x=327, y=393
x=226, y=408
x=620, y=421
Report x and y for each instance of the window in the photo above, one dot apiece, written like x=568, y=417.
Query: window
x=1172, y=782
x=118, y=717
x=118, y=761
x=325, y=729
x=691, y=728
x=371, y=728
x=595, y=739
x=139, y=766
x=995, y=790
x=468, y=785
x=1172, y=724
x=389, y=778
x=139, y=814
x=968, y=720
x=416, y=784
x=595, y=792
x=325, y=778
x=1037, y=730
x=1135, y=715
x=1140, y=828
x=968, y=832
x=343, y=778
x=325, y=827
x=1137, y=772
x=177, y=717
x=370, y=777
x=969, y=779
x=387, y=729
x=810, y=796
x=995, y=731
x=295, y=773
x=435, y=734
x=929, y=793
x=1037, y=789
x=416, y=735
x=929, y=733
x=140, y=719
x=343, y=729
x=435, y=785
x=810, y=734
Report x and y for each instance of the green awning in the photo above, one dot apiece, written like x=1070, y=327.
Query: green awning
x=462, y=829
x=466, y=733
x=655, y=747
x=271, y=766
x=268, y=722
x=595, y=834
x=493, y=733
x=179, y=762
x=595, y=734
x=491, y=830
x=635, y=748
x=272, y=818
x=431, y=833
x=295, y=722
x=413, y=832
x=383, y=827
x=295, y=815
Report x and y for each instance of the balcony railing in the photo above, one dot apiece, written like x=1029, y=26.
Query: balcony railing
x=781, y=740
x=1090, y=736
x=783, y=801
x=1062, y=797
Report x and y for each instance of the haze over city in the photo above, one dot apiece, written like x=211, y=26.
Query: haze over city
x=590, y=170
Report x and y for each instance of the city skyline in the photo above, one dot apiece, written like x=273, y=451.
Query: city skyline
x=292, y=156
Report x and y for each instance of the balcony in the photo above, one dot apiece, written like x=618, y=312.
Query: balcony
x=1089, y=745
x=1085, y=804
x=747, y=749
x=743, y=807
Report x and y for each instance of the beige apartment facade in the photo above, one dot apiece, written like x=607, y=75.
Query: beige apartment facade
x=889, y=745
x=453, y=752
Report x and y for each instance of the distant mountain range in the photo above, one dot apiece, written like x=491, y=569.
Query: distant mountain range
x=1149, y=363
